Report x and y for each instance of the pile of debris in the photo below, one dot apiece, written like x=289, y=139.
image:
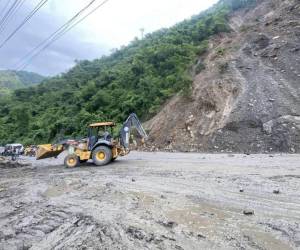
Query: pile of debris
x=247, y=97
x=6, y=162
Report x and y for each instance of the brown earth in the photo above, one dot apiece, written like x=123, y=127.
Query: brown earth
x=153, y=201
x=248, y=97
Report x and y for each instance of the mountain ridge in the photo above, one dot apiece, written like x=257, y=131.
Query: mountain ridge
x=138, y=78
x=11, y=80
x=225, y=80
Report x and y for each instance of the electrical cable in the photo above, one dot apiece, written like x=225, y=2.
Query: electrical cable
x=12, y=13
x=5, y=7
x=30, y=15
x=56, y=35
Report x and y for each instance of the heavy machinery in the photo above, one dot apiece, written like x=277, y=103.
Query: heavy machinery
x=100, y=146
x=30, y=151
x=13, y=149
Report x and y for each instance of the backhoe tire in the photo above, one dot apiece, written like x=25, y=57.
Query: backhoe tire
x=102, y=155
x=71, y=161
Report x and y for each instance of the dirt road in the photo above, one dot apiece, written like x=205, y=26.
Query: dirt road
x=153, y=201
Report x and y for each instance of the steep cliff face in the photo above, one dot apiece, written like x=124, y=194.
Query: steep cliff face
x=247, y=99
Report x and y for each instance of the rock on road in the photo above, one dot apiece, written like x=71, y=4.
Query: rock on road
x=153, y=201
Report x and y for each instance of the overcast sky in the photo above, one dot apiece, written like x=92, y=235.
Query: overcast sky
x=113, y=25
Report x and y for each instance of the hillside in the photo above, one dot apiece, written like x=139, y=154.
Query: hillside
x=225, y=80
x=248, y=97
x=139, y=78
x=11, y=80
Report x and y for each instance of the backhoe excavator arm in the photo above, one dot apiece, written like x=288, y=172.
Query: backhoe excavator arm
x=49, y=150
x=132, y=121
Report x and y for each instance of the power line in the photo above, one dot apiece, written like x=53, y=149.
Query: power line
x=30, y=15
x=44, y=43
x=79, y=21
x=8, y=12
x=5, y=7
x=13, y=11
x=56, y=35
x=60, y=34
x=20, y=4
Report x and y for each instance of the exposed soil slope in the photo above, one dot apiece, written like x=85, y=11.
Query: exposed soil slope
x=248, y=97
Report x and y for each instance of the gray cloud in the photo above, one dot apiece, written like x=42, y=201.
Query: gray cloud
x=116, y=24
x=55, y=59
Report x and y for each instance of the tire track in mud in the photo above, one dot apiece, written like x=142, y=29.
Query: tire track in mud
x=153, y=201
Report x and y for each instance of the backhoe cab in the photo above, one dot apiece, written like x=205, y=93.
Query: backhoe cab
x=100, y=146
x=101, y=132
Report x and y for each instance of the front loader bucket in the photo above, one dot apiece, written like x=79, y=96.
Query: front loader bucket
x=48, y=151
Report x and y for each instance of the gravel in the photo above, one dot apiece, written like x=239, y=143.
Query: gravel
x=178, y=201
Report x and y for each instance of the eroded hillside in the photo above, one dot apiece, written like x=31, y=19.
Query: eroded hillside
x=247, y=99
x=138, y=78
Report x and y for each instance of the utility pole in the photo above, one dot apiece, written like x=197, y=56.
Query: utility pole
x=142, y=32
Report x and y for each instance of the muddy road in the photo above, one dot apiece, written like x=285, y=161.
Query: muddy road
x=153, y=201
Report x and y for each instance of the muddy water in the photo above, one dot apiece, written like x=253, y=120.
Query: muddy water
x=153, y=201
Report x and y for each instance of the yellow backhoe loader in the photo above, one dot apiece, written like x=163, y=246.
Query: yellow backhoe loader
x=99, y=146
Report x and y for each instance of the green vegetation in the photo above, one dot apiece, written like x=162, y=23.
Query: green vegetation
x=11, y=80
x=139, y=78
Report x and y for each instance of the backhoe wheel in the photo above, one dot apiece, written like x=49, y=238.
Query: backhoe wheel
x=102, y=155
x=71, y=161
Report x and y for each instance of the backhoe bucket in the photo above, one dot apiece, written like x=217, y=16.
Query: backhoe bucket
x=48, y=151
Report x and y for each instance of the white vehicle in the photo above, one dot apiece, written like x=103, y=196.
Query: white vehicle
x=15, y=148
x=2, y=149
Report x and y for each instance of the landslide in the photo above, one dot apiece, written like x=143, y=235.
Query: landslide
x=138, y=78
x=247, y=99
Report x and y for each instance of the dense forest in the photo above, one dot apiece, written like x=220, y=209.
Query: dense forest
x=137, y=78
x=11, y=80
